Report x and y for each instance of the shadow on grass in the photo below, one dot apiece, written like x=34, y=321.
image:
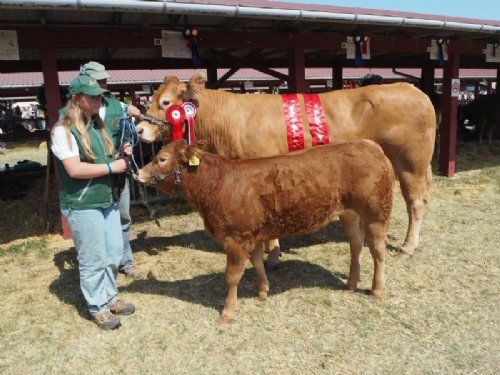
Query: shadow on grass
x=210, y=290
x=67, y=286
x=200, y=240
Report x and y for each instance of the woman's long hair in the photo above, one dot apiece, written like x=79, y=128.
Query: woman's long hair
x=75, y=116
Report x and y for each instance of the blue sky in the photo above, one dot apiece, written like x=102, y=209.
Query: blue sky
x=482, y=9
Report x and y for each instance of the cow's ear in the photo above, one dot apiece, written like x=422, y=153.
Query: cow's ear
x=181, y=147
x=195, y=85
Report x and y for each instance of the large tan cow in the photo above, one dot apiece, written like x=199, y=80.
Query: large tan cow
x=399, y=117
x=244, y=203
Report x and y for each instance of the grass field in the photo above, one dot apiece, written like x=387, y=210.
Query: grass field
x=440, y=313
x=29, y=149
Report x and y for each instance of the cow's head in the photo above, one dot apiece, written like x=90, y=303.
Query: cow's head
x=171, y=91
x=166, y=169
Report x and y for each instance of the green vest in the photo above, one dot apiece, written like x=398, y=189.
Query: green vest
x=81, y=194
x=114, y=111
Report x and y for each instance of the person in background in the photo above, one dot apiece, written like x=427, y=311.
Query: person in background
x=86, y=159
x=112, y=112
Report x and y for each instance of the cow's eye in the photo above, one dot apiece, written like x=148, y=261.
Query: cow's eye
x=162, y=160
x=166, y=102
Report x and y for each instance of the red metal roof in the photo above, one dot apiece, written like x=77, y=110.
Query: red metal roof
x=35, y=79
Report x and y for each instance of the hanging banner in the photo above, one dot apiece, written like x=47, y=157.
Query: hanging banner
x=9, y=48
x=173, y=44
x=492, y=52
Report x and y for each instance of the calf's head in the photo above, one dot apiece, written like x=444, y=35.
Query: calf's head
x=166, y=169
x=171, y=91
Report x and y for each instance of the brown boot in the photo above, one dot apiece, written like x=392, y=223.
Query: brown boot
x=106, y=320
x=122, y=308
x=131, y=272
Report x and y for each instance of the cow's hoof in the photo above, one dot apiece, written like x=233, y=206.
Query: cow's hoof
x=376, y=295
x=226, y=317
x=262, y=296
x=403, y=255
x=351, y=287
x=270, y=265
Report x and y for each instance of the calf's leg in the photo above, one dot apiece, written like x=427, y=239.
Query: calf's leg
x=353, y=228
x=258, y=263
x=274, y=250
x=236, y=256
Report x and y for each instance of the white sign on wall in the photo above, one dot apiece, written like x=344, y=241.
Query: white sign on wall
x=492, y=52
x=350, y=48
x=9, y=49
x=455, y=87
x=434, y=50
x=174, y=45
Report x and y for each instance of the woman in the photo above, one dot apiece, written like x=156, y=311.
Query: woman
x=86, y=159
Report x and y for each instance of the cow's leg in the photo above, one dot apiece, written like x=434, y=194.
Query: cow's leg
x=274, y=250
x=258, y=263
x=376, y=238
x=353, y=229
x=235, y=268
x=416, y=193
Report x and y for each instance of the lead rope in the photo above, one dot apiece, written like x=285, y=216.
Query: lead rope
x=130, y=135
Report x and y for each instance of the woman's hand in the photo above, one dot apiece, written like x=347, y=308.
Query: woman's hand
x=127, y=149
x=133, y=111
x=118, y=166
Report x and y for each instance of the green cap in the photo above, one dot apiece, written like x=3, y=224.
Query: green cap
x=85, y=85
x=95, y=70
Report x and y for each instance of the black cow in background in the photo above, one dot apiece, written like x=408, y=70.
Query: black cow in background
x=482, y=115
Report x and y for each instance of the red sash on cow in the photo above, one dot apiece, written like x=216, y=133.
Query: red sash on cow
x=316, y=117
x=293, y=121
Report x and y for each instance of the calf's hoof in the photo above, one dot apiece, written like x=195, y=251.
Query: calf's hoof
x=226, y=317
x=271, y=265
x=263, y=295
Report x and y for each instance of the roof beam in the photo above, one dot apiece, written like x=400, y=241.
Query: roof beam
x=87, y=37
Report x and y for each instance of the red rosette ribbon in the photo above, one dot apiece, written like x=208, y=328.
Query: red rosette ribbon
x=176, y=115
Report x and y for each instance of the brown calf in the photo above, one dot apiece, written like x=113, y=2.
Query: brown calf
x=244, y=203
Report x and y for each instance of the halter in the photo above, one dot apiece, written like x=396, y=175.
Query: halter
x=161, y=124
x=177, y=171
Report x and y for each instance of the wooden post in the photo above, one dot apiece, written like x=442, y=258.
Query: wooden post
x=337, y=76
x=297, y=71
x=449, y=104
x=497, y=81
x=50, y=79
x=52, y=97
x=211, y=76
x=427, y=79
x=133, y=98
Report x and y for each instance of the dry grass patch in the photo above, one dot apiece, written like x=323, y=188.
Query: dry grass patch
x=439, y=314
x=30, y=149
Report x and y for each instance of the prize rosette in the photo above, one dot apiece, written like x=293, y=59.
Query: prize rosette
x=176, y=115
x=190, y=110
